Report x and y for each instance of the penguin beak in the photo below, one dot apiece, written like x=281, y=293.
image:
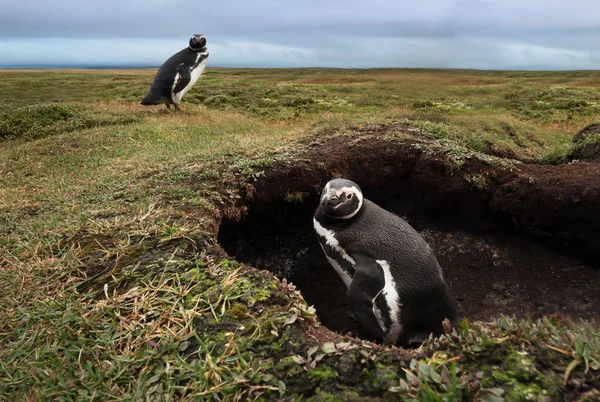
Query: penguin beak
x=333, y=202
x=331, y=199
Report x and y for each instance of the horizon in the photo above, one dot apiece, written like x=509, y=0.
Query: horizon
x=142, y=67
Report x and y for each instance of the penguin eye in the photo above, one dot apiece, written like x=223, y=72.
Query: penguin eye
x=349, y=196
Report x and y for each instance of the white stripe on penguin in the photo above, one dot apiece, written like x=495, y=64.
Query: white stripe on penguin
x=346, y=278
x=332, y=241
x=392, y=298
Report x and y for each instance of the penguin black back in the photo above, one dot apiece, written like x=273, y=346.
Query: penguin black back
x=395, y=285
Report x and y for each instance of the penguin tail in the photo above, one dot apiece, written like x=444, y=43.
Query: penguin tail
x=149, y=100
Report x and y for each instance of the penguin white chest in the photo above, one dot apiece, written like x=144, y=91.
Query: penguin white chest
x=195, y=74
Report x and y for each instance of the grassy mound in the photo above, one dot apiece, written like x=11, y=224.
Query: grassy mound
x=42, y=120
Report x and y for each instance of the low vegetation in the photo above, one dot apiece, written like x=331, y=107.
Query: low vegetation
x=112, y=285
x=41, y=120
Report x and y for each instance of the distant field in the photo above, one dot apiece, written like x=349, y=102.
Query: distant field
x=97, y=190
x=530, y=113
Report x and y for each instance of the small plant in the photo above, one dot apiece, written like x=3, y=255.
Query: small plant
x=295, y=197
x=478, y=180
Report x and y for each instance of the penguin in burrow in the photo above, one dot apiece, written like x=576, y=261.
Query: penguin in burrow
x=396, y=287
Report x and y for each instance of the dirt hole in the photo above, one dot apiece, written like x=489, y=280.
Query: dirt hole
x=491, y=268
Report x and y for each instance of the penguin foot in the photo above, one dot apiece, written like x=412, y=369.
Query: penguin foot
x=168, y=106
x=177, y=107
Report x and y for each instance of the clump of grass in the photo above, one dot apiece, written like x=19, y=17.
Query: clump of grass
x=281, y=101
x=556, y=156
x=426, y=127
x=554, y=104
x=42, y=120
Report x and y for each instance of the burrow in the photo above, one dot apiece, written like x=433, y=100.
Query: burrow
x=514, y=239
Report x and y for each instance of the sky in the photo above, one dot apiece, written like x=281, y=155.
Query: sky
x=482, y=34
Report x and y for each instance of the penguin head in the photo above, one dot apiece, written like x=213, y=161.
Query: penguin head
x=341, y=199
x=197, y=42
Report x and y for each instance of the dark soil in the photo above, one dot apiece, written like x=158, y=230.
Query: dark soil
x=523, y=240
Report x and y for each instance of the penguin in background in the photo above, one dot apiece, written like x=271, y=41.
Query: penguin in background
x=178, y=74
x=396, y=287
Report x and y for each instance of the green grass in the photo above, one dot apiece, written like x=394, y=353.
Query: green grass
x=526, y=112
x=110, y=286
x=38, y=121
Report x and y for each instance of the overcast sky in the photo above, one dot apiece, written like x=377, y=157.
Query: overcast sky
x=487, y=34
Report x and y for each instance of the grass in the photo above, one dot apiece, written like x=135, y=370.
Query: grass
x=525, y=112
x=110, y=284
x=38, y=121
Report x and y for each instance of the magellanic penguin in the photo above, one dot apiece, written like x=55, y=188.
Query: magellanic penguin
x=396, y=287
x=178, y=74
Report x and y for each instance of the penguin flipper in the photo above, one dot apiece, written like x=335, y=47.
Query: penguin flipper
x=183, y=78
x=363, y=294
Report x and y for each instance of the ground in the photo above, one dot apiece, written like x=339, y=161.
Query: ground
x=162, y=255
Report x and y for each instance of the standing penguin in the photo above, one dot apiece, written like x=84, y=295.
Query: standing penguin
x=396, y=287
x=178, y=74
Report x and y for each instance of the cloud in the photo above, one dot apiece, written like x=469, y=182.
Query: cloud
x=549, y=34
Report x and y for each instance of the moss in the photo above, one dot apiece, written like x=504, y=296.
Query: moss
x=348, y=361
x=286, y=363
x=253, y=288
x=382, y=376
x=238, y=311
x=344, y=395
x=277, y=348
x=291, y=340
x=527, y=392
x=322, y=374
x=192, y=274
x=518, y=374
